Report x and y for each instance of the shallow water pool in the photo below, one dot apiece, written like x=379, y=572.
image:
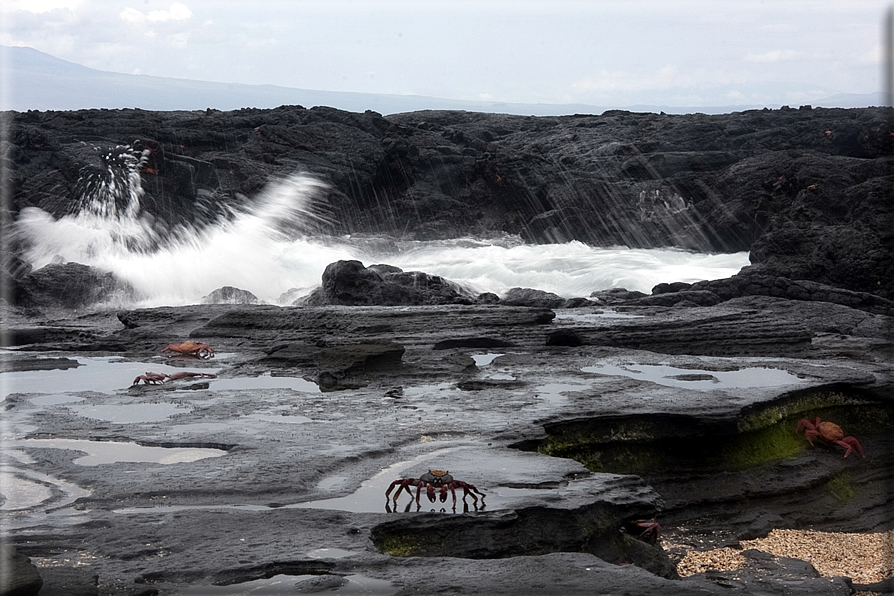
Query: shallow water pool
x=699, y=379
x=110, y=452
x=102, y=374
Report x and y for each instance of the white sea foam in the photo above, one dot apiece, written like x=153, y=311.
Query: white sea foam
x=269, y=250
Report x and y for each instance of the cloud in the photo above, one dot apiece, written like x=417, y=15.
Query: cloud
x=260, y=43
x=42, y=6
x=177, y=12
x=774, y=56
x=178, y=40
x=664, y=78
x=132, y=15
x=874, y=56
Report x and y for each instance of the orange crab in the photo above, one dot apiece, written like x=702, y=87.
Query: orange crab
x=190, y=349
x=830, y=432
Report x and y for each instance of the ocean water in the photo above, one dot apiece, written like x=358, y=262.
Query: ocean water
x=269, y=249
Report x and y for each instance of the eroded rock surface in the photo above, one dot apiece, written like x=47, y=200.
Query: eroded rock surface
x=684, y=415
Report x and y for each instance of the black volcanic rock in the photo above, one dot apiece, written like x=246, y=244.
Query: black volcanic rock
x=20, y=576
x=69, y=285
x=615, y=296
x=577, y=524
x=350, y=283
x=531, y=297
x=762, y=280
x=808, y=191
x=230, y=295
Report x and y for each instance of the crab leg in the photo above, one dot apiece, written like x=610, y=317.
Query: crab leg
x=403, y=485
x=851, y=444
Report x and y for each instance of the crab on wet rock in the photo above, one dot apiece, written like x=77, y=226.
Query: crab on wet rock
x=434, y=482
x=190, y=349
x=829, y=432
x=153, y=378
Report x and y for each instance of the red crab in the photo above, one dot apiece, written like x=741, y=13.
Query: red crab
x=190, y=349
x=830, y=432
x=432, y=480
x=152, y=378
x=646, y=529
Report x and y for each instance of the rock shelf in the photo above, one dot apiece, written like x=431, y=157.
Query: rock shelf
x=572, y=442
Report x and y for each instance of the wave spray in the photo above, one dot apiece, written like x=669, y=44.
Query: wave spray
x=271, y=250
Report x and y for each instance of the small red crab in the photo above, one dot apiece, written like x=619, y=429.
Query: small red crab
x=152, y=378
x=645, y=529
x=432, y=480
x=190, y=349
x=830, y=432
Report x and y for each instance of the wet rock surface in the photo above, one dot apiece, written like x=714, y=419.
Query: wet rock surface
x=20, y=576
x=230, y=295
x=574, y=423
x=349, y=283
x=69, y=285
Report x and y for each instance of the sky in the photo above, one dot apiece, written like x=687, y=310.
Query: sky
x=597, y=52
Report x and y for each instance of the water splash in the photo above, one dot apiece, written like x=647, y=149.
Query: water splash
x=571, y=269
x=259, y=249
x=115, y=189
x=272, y=249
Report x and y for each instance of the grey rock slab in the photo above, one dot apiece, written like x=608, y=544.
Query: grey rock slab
x=475, y=391
x=18, y=363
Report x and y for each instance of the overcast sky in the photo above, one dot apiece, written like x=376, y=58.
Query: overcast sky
x=624, y=52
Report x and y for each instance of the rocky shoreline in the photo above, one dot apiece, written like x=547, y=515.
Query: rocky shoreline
x=807, y=191
x=569, y=440
x=584, y=421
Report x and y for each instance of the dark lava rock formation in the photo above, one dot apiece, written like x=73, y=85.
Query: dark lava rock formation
x=67, y=285
x=808, y=191
x=349, y=283
x=577, y=418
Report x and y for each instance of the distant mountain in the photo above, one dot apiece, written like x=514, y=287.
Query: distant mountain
x=38, y=81
x=855, y=100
